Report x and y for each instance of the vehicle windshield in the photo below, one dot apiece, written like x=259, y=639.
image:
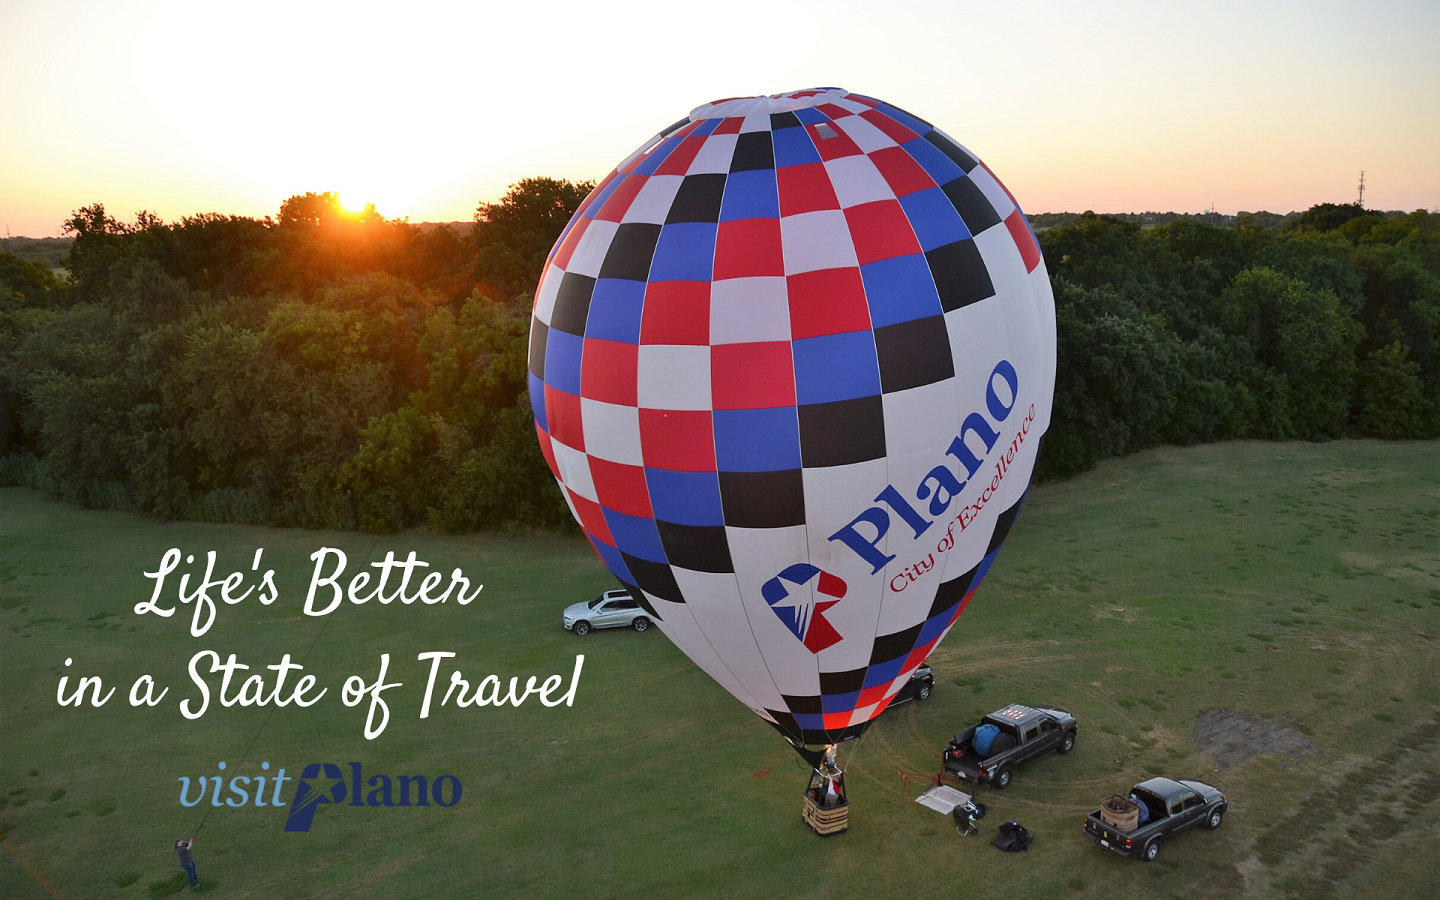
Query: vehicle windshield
x=596, y=602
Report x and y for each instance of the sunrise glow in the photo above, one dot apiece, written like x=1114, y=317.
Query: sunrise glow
x=1115, y=106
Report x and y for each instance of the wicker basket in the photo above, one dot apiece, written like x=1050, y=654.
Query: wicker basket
x=1120, y=813
x=825, y=821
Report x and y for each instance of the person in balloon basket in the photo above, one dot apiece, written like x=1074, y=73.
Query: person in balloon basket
x=187, y=862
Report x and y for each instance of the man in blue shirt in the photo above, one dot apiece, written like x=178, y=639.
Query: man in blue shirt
x=187, y=862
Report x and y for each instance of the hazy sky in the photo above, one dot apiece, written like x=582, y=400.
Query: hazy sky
x=427, y=108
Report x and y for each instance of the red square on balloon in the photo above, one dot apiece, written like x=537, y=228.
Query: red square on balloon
x=805, y=188
x=562, y=414
x=880, y=230
x=831, y=142
x=827, y=301
x=730, y=125
x=676, y=312
x=901, y=171
x=621, y=487
x=679, y=160
x=1024, y=240
x=607, y=371
x=620, y=199
x=893, y=129
x=752, y=376
x=748, y=248
x=679, y=439
x=592, y=518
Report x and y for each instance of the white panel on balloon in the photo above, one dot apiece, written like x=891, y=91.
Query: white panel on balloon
x=1006, y=267
x=545, y=297
x=574, y=468
x=674, y=376
x=652, y=204
x=922, y=418
x=749, y=310
x=714, y=600
x=714, y=156
x=865, y=135
x=760, y=554
x=611, y=432
x=590, y=252
x=856, y=181
x=816, y=240
x=977, y=343
x=679, y=625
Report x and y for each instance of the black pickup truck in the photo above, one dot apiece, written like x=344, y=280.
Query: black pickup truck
x=1026, y=733
x=1171, y=805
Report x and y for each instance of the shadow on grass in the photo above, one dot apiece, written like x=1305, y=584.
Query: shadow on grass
x=177, y=883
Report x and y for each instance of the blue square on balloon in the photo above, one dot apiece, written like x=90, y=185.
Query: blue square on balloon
x=593, y=206
x=885, y=672
x=839, y=703
x=537, y=400
x=635, y=535
x=657, y=156
x=941, y=167
x=705, y=127
x=836, y=367
x=685, y=498
x=899, y=289
x=793, y=147
x=751, y=194
x=757, y=440
x=810, y=721
x=615, y=307
x=932, y=629
x=613, y=561
x=934, y=219
x=685, y=252
x=562, y=361
x=811, y=116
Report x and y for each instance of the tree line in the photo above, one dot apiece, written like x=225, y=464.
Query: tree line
x=329, y=369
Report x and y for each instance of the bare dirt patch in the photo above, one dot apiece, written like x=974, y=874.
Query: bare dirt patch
x=1232, y=736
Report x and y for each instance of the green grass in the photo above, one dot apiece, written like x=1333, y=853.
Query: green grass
x=1252, y=575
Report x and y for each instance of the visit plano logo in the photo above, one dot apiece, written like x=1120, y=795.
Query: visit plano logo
x=323, y=784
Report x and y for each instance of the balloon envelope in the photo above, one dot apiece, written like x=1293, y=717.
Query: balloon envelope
x=791, y=363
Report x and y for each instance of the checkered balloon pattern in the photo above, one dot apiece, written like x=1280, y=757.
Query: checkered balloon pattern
x=791, y=363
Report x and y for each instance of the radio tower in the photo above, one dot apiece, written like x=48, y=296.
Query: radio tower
x=1361, y=202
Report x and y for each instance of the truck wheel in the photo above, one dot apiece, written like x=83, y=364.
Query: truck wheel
x=581, y=628
x=1067, y=743
x=1216, y=817
x=1000, y=780
x=924, y=692
x=1151, y=851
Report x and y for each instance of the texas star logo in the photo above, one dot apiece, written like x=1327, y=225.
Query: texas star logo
x=801, y=613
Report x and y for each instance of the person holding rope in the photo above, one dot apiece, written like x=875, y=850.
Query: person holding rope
x=187, y=862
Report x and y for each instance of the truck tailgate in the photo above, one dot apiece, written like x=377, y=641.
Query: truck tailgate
x=1105, y=834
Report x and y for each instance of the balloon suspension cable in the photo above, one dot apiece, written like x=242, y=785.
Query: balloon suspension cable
x=319, y=634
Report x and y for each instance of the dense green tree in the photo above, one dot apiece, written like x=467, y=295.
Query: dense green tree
x=1304, y=336
x=513, y=237
x=1391, y=396
x=1325, y=217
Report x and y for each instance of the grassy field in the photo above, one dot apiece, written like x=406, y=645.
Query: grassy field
x=1297, y=583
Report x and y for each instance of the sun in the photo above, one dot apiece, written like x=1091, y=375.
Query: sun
x=350, y=204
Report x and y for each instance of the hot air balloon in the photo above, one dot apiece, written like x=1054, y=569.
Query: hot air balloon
x=790, y=363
